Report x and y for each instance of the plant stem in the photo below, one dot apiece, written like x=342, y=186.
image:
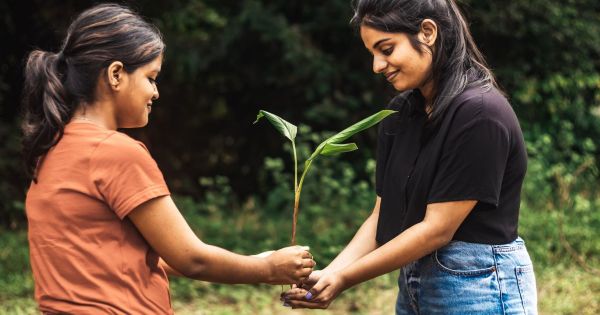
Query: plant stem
x=295, y=166
x=295, y=219
x=296, y=194
x=297, y=202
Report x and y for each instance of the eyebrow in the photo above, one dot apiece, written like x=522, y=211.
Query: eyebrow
x=379, y=42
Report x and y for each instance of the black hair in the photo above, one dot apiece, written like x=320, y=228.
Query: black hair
x=57, y=83
x=457, y=62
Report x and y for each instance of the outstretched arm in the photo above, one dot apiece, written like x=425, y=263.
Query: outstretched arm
x=165, y=229
x=436, y=230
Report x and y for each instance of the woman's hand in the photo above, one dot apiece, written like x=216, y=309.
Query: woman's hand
x=319, y=296
x=289, y=265
x=311, y=280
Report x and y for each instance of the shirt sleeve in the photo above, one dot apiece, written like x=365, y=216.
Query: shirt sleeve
x=125, y=175
x=381, y=155
x=472, y=164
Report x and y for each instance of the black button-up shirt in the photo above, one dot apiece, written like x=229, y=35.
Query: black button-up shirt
x=476, y=152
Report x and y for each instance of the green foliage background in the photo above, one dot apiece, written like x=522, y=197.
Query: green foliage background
x=300, y=59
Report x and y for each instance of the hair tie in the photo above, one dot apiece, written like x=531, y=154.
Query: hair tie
x=60, y=56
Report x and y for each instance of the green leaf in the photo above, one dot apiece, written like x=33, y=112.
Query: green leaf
x=284, y=127
x=335, y=149
x=352, y=130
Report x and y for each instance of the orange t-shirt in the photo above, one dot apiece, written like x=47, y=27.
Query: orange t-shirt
x=87, y=256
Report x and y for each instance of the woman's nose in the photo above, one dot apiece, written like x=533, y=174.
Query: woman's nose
x=379, y=64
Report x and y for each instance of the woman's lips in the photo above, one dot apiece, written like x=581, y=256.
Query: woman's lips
x=391, y=76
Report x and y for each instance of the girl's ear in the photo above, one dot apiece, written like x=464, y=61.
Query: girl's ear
x=115, y=73
x=428, y=32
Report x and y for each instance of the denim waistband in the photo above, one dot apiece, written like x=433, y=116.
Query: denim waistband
x=517, y=244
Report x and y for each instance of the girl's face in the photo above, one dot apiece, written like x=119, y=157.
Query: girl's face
x=394, y=56
x=139, y=89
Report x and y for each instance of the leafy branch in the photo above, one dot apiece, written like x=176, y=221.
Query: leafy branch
x=330, y=147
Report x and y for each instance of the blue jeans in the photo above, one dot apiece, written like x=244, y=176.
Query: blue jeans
x=468, y=278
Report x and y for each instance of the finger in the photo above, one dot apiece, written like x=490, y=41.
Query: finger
x=305, y=304
x=307, y=286
x=312, y=278
x=308, y=281
x=298, y=294
x=309, y=262
x=324, y=296
x=304, y=248
x=293, y=291
x=305, y=272
x=301, y=275
x=316, y=290
x=307, y=254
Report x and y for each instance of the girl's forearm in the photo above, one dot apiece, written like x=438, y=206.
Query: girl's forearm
x=170, y=271
x=218, y=265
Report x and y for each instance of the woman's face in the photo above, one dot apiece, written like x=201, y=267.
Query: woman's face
x=394, y=56
x=138, y=91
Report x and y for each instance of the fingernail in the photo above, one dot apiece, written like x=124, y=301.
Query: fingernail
x=308, y=296
x=286, y=305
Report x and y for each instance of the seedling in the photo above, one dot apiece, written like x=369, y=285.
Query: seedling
x=329, y=147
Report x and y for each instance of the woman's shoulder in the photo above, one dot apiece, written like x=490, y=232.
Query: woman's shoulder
x=477, y=103
x=406, y=105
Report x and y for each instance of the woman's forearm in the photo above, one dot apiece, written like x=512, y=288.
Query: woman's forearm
x=436, y=230
x=414, y=243
x=361, y=244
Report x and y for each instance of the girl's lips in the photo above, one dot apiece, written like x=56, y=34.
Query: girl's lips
x=149, y=108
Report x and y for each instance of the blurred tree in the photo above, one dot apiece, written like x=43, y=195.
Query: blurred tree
x=226, y=59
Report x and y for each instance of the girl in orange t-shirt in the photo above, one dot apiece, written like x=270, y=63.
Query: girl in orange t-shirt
x=103, y=230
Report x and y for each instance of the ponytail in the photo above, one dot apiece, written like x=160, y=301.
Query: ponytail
x=57, y=84
x=45, y=105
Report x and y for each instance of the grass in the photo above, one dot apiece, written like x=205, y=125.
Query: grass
x=564, y=288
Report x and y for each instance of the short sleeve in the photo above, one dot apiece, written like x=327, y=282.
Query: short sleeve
x=381, y=155
x=472, y=164
x=125, y=175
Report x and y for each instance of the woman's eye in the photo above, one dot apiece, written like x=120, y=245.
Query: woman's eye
x=153, y=81
x=387, y=51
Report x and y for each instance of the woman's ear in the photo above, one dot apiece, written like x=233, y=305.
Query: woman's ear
x=115, y=73
x=428, y=33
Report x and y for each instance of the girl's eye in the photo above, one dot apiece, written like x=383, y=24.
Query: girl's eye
x=153, y=81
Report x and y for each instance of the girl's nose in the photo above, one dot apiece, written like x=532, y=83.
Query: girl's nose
x=155, y=96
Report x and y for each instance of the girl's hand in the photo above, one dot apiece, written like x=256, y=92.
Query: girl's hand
x=289, y=265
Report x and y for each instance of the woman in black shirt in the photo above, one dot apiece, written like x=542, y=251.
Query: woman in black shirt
x=450, y=166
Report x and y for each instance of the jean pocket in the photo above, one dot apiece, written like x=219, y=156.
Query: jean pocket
x=462, y=266
x=527, y=288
